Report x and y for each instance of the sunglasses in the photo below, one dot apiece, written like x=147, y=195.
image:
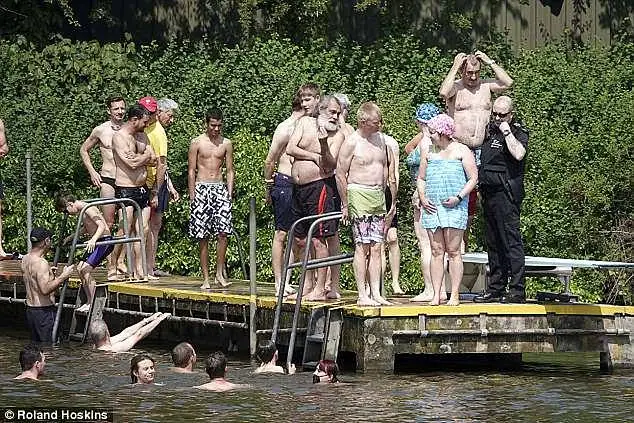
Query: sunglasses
x=501, y=115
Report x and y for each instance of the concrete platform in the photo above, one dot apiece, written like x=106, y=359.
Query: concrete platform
x=374, y=335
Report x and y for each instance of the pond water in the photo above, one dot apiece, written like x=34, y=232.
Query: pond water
x=548, y=388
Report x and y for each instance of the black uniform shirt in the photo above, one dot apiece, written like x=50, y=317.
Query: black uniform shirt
x=497, y=164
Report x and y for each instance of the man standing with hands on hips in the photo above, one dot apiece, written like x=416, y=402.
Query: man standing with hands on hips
x=501, y=178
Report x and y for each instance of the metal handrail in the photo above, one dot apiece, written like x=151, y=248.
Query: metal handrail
x=125, y=202
x=285, y=267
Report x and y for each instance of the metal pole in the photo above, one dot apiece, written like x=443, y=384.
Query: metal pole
x=29, y=200
x=253, y=338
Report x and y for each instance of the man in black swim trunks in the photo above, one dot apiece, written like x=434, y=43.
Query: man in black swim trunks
x=41, y=283
x=131, y=154
x=101, y=136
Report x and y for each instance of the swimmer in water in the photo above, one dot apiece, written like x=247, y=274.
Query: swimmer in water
x=32, y=361
x=216, y=368
x=184, y=358
x=142, y=369
x=327, y=371
x=267, y=354
x=127, y=338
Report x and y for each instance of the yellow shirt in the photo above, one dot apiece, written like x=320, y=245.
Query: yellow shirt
x=158, y=142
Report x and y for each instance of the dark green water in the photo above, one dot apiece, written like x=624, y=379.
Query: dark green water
x=548, y=388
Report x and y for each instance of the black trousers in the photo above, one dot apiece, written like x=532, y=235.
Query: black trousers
x=504, y=243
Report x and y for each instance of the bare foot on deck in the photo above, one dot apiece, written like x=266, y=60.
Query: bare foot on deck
x=379, y=299
x=333, y=295
x=434, y=302
x=316, y=296
x=205, y=284
x=222, y=282
x=423, y=297
x=83, y=308
x=454, y=301
x=367, y=302
x=396, y=288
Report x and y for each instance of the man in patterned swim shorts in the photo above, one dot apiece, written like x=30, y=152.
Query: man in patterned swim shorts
x=362, y=171
x=209, y=196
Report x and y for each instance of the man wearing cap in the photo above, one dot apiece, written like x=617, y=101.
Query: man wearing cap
x=101, y=136
x=41, y=283
x=161, y=116
x=131, y=155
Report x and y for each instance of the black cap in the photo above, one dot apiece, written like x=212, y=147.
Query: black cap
x=40, y=234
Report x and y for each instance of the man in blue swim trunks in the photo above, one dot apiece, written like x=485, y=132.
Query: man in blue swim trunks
x=280, y=184
x=95, y=226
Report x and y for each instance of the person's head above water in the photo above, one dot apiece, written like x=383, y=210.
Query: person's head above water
x=326, y=371
x=99, y=332
x=267, y=352
x=184, y=356
x=216, y=365
x=142, y=369
x=32, y=362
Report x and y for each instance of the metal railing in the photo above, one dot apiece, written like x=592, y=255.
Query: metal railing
x=125, y=202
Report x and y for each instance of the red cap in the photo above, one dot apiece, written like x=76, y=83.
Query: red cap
x=149, y=103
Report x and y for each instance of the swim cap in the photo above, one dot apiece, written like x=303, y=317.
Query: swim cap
x=426, y=111
x=443, y=124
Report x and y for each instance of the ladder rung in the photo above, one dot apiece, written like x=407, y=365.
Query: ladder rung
x=76, y=336
x=311, y=364
x=315, y=338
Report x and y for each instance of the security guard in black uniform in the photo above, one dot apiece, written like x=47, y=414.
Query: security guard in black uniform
x=501, y=182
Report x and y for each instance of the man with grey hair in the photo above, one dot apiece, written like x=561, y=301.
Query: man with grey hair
x=128, y=337
x=314, y=146
x=158, y=179
x=346, y=128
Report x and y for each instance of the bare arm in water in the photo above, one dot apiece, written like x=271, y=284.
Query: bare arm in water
x=127, y=339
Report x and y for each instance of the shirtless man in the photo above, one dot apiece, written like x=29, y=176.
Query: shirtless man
x=131, y=155
x=32, y=362
x=95, y=226
x=101, y=136
x=128, y=337
x=209, y=196
x=469, y=104
x=391, y=234
x=314, y=146
x=184, y=358
x=280, y=184
x=4, y=150
x=362, y=171
x=216, y=368
x=41, y=283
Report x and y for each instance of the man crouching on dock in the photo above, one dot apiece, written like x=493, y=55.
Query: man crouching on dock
x=41, y=283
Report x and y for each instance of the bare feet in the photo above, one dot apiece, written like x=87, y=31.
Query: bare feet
x=316, y=296
x=454, y=301
x=396, y=288
x=152, y=278
x=333, y=295
x=434, y=302
x=220, y=280
x=367, y=302
x=381, y=300
x=205, y=284
x=423, y=297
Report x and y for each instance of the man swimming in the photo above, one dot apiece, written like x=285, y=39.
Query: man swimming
x=128, y=337
x=32, y=362
x=216, y=368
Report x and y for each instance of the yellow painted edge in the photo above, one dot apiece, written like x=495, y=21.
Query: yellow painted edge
x=505, y=309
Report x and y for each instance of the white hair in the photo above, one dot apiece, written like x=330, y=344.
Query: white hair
x=343, y=100
x=167, y=104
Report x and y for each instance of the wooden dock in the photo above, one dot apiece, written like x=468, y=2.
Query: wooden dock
x=375, y=336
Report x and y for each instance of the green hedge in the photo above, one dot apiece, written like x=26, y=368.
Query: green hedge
x=577, y=102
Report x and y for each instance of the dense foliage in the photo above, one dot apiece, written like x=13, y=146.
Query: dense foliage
x=576, y=101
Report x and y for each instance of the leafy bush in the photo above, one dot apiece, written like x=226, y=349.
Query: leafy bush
x=577, y=103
